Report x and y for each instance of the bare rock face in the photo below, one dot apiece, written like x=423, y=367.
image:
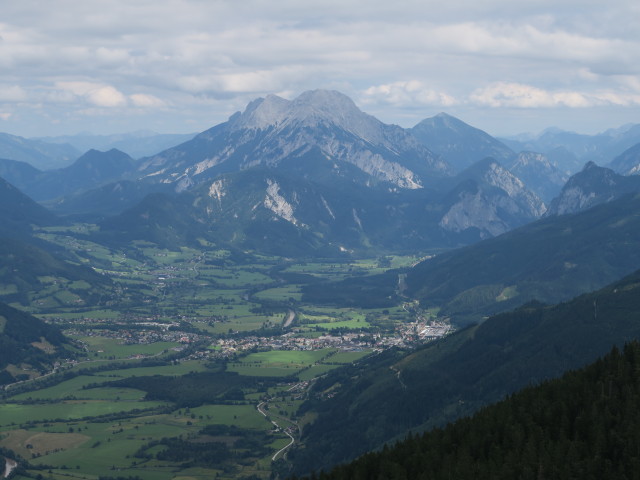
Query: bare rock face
x=316, y=172
x=628, y=162
x=492, y=200
x=539, y=174
x=592, y=186
x=272, y=130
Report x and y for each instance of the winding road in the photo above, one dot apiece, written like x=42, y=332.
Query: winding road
x=275, y=455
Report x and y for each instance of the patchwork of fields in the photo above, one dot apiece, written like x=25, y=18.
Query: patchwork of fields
x=175, y=357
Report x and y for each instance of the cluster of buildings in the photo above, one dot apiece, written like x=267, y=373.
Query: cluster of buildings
x=145, y=332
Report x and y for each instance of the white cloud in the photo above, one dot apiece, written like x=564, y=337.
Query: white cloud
x=411, y=93
x=95, y=94
x=106, y=97
x=5, y=116
x=198, y=60
x=145, y=100
x=12, y=93
x=504, y=94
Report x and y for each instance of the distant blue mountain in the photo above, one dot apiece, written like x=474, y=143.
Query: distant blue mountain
x=40, y=154
x=458, y=143
x=628, y=162
x=136, y=144
x=601, y=148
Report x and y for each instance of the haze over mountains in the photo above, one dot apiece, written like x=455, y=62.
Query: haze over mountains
x=504, y=223
x=316, y=174
x=572, y=150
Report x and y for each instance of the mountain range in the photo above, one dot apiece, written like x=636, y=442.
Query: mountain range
x=272, y=131
x=135, y=144
x=539, y=174
x=572, y=150
x=628, y=162
x=317, y=173
x=592, y=186
x=550, y=260
x=317, y=177
x=39, y=154
x=89, y=171
x=312, y=174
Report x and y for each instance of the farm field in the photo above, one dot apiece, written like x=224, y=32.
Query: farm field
x=168, y=323
x=103, y=427
x=279, y=363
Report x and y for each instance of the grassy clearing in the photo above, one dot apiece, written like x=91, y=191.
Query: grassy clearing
x=8, y=288
x=278, y=363
x=354, y=324
x=244, y=416
x=331, y=318
x=234, y=278
x=507, y=293
x=280, y=294
x=349, y=357
x=105, y=348
x=181, y=368
x=264, y=370
x=40, y=442
x=16, y=414
x=98, y=314
x=287, y=357
x=74, y=387
x=315, y=370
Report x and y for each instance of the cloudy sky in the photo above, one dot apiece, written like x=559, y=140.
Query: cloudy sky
x=178, y=66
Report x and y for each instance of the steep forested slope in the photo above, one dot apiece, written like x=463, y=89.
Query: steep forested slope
x=25, y=339
x=362, y=407
x=584, y=425
x=549, y=260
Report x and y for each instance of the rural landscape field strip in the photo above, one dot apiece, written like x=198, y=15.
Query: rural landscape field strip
x=174, y=315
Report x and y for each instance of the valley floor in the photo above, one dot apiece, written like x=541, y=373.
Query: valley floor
x=190, y=318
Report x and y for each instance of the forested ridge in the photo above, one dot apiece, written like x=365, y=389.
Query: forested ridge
x=19, y=331
x=585, y=425
x=462, y=373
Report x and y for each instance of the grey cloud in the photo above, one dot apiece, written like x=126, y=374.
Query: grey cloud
x=201, y=60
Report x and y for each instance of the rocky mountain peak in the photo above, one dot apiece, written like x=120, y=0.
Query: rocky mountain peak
x=539, y=174
x=273, y=131
x=531, y=158
x=591, y=186
x=309, y=109
x=445, y=120
x=590, y=166
x=262, y=113
x=628, y=162
x=459, y=143
x=329, y=101
x=491, y=200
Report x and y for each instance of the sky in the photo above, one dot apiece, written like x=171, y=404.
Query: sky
x=183, y=66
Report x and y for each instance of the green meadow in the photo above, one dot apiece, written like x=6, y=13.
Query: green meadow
x=81, y=427
x=103, y=347
x=301, y=365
